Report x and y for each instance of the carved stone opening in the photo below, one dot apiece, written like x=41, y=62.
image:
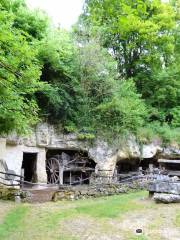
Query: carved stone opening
x=126, y=169
x=29, y=164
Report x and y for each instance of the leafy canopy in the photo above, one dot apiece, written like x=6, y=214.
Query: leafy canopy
x=19, y=75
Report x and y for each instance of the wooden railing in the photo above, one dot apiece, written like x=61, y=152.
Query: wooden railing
x=11, y=179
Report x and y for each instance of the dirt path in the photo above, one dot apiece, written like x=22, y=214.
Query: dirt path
x=156, y=223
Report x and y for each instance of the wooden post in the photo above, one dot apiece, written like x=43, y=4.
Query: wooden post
x=140, y=170
x=70, y=178
x=81, y=179
x=61, y=171
x=151, y=168
x=115, y=175
x=22, y=178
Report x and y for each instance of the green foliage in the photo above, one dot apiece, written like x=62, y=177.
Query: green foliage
x=70, y=127
x=142, y=37
x=118, y=71
x=138, y=32
x=124, y=111
x=97, y=71
x=33, y=24
x=85, y=136
x=176, y=117
x=156, y=131
x=164, y=88
x=57, y=55
x=19, y=74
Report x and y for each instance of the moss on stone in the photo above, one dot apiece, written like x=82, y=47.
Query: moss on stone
x=7, y=193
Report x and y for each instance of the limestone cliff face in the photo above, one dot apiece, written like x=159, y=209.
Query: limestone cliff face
x=106, y=155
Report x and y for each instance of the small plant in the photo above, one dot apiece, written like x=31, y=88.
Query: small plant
x=85, y=136
x=70, y=128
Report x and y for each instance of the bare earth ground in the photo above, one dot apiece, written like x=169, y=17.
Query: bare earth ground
x=110, y=218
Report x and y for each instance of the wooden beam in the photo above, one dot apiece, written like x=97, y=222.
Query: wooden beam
x=61, y=171
x=70, y=178
x=173, y=173
x=169, y=161
x=75, y=169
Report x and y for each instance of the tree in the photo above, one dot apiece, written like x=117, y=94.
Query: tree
x=124, y=111
x=98, y=73
x=139, y=34
x=58, y=56
x=164, y=83
x=19, y=74
x=33, y=24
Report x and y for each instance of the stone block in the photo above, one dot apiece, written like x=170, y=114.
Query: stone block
x=166, y=198
x=164, y=187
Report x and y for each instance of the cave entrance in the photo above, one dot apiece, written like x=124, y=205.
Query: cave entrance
x=29, y=164
x=172, y=166
x=68, y=167
x=146, y=162
x=126, y=169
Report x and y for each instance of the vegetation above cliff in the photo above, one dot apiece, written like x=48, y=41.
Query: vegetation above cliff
x=117, y=70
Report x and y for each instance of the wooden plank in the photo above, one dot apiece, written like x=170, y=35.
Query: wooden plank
x=75, y=169
x=169, y=161
x=174, y=173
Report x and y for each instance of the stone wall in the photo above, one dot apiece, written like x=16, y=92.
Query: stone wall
x=13, y=156
x=70, y=192
x=105, y=155
x=97, y=190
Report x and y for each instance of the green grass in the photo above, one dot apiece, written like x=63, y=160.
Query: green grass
x=13, y=221
x=103, y=216
x=111, y=207
x=177, y=220
x=138, y=237
x=24, y=221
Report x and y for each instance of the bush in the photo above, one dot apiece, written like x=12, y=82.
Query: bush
x=85, y=136
x=163, y=133
x=126, y=110
x=176, y=117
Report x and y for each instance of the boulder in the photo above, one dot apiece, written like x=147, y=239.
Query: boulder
x=150, y=150
x=164, y=187
x=166, y=198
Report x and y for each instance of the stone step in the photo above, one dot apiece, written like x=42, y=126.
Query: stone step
x=40, y=196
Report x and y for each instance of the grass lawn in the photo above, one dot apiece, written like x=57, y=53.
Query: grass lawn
x=108, y=218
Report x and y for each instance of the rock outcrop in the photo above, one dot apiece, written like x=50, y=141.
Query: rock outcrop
x=105, y=155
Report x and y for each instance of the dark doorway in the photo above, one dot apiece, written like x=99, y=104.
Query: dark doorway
x=29, y=165
x=125, y=167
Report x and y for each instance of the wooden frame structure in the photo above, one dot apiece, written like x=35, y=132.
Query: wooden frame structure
x=62, y=164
